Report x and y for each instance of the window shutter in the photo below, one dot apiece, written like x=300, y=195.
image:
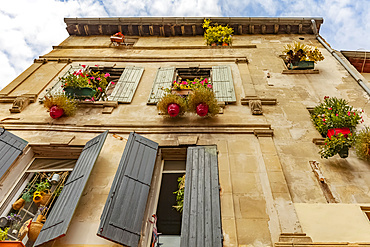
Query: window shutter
x=123, y=214
x=223, y=85
x=60, y=217
x=163, y=79
x=201, y=216
x=126, y=85
x=57, y=88
x=11, y=146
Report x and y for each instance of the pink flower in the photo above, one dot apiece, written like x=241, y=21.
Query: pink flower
x=330, y=108
x=354, y=114
x=348, y=113
x=336, y=114
x=99, y=88
x=194, y=82
x=324, y=123
x=99, y=79
x=205, y=80
x=106, y=75
x=92, y=78
x=324, y=119
x=112, y=82
x=184, y=83
x=209, y=85
x=83, y=66
x=96, y=65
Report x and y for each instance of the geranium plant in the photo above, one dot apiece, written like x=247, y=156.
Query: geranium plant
x=87, y=79
x=299, y=52
x=337, y=144
x=335, y=113
x=362, y=144
x=217, y=34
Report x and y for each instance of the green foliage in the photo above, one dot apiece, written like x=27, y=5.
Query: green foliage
x=68, y=104
x=95, y=80
x=299, y=52
x=43, y=186
x=170, y=99
x=334, y=113
x=27, y=196
x=362, y=144
x=58, y=190
x=180, y=194
x=217, y=33
x=203, y=96
x=3, y=234
x=335, y=144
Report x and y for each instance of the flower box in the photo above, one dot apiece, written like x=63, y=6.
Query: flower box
x=182, y=92
x=302, y=65
x=8, y=243
x=80, y=93
x=117, y=39
x=336, y=131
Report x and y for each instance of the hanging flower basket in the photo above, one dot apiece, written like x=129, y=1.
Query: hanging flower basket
x=202, y=109
x=56, y=112
x=203, y=102
x=80, y=93
x=172, y=105
x=173, y=109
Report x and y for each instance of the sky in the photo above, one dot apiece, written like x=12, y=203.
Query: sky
x=29, y=28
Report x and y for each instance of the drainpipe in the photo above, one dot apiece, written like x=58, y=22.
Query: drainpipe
x=345, y=65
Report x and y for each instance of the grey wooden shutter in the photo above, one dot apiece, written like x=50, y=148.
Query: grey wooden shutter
x=57, y=88
x=163, y=79
x=11, y=146
x=201, y=216
x=123, y=214
x=126, y=85
x=61, y=214
x=223, y=85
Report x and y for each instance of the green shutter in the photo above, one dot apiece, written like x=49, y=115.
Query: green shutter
x=223, y=85
x=57, y=88
x=126, y=85
x=163, y=79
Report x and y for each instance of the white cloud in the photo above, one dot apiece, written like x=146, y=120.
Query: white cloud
x=33, y=27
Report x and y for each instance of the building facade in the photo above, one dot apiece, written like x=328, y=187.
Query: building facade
x=254, y=176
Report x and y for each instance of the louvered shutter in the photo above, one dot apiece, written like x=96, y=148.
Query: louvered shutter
x=61, y=214
x=11, y=146
x=126, y=85
x=57, y=88
x=201, y=216
x=123, y=214
x=163, y=79
x=223, y=85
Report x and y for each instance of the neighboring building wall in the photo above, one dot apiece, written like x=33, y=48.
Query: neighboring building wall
x=267, y=183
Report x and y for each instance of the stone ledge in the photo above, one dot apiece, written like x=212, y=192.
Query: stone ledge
x=264, y=101
x=300, y=71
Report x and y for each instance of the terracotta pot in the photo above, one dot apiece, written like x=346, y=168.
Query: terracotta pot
x=336, y=131
x=225, y=44
x=213, y=44
x=56, y=112
x=202, y=109
x=18, y=204
x=8, y=243
x=34, y=230
x=173, y=109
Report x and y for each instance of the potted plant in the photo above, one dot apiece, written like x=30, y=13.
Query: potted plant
x=60, y=105
x=335, y=119
x=172, y=105
x=117, y=37
x=8, y=243
x=337, y=144
x=85, y=84
x=217, y=34
x=300, y=56
x=187, y=87
x=180, y=194
x=203, y=102
x=362, y=144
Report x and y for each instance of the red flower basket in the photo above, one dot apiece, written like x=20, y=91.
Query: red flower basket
x=202, y=109
x=173, y=109
x=56, y=112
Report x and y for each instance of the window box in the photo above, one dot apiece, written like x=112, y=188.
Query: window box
x=302, y=65
x=182, y=92
x=80, y=93
x=9, y=243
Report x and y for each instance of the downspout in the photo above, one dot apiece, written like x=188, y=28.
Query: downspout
x=340, y=60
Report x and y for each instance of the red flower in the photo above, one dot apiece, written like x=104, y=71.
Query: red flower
x=83, y=66
x=326, y=97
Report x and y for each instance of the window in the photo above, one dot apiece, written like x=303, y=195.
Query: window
x=60, y=211
x=122, y=85
x=139, y=176
x=220, y=76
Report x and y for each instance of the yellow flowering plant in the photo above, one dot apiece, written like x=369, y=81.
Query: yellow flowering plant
x=300, y=52
x=217, y=34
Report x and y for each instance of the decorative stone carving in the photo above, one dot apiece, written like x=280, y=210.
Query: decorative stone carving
x=256, y=107
x=19, y=104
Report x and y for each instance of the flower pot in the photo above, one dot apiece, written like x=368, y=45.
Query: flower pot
x=182, y=92
x=343, y=153
x=18, y=204
x=213, y=44
x=117, y=39
x=56, y=112
x=8, y=243
x=225, y=44
x=80, y=93
x=34, y=230
x=202, y=110
x=336, y=131
x=173, y=109
x=302, y=65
